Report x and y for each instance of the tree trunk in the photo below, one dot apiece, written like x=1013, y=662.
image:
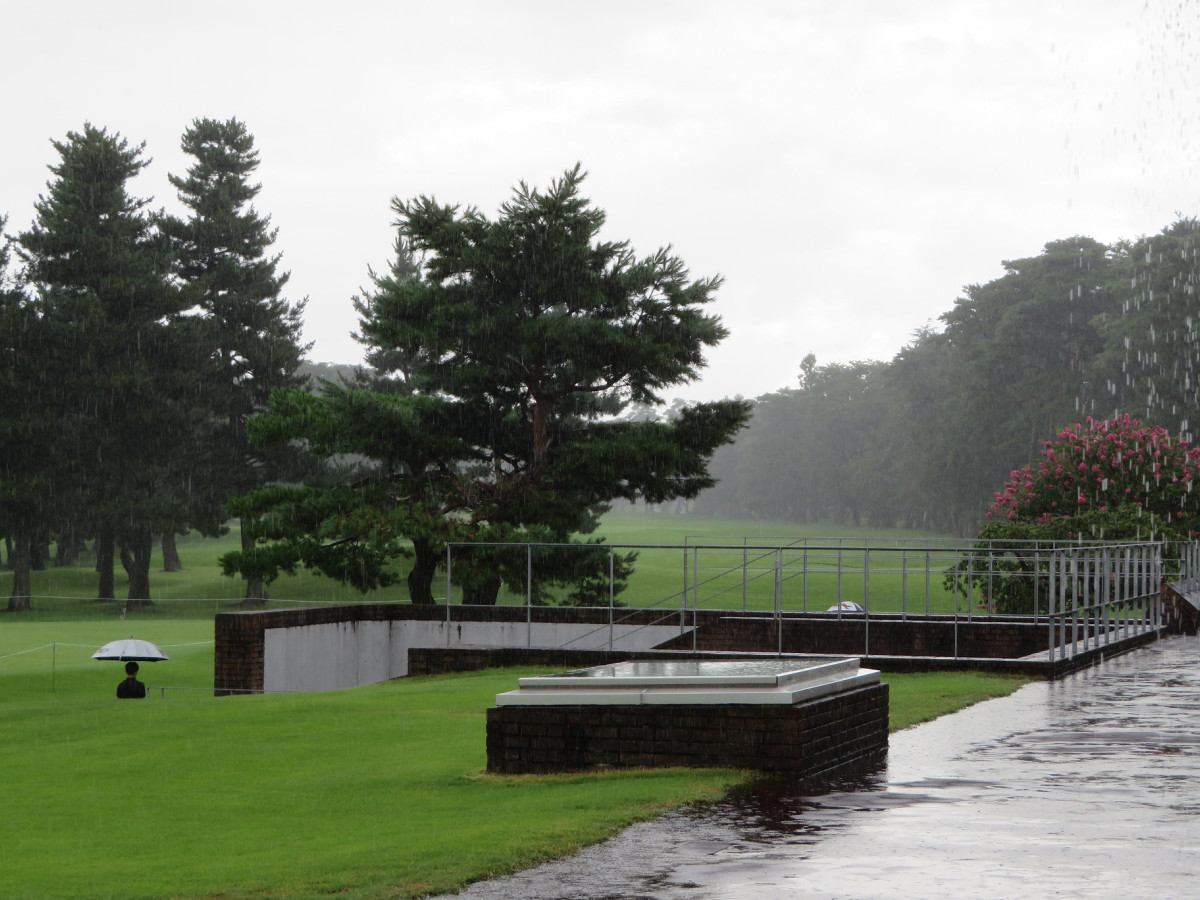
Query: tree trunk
x=481, y=591
x=67, y=550
x=139, y=550
x=105, y=549
x=126, y=556
x=19, y=555
x=39, y=555
x=170, y=553
x=256, y=591
x=541, y=428
x=420, y=578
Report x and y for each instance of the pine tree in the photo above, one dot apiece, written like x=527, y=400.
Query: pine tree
x=250, y=332
x=99, y=271
x=24, y=439
x=521, y=341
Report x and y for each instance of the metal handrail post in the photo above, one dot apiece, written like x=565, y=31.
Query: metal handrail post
x=1075, y=587
x=611, y=596
x=928, y=576
x=695, y=596
x=448, y=564
x=991, y=607
x=684, y=595
x=1089, y=574
x=744, y=566
x=1106, y=592
x=804, y=580
x=1051, y=583
x=1158, y=575
x=970, y=585
x=839, y=581
x=1037, y=577
x=866, y=601
x=529, y=595
x=1063, y=569
x=1123, y=590
x=1148, y=615
x=779, y=600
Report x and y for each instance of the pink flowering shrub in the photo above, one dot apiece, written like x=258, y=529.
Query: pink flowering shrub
x=1104, y=480
x=1115, y=480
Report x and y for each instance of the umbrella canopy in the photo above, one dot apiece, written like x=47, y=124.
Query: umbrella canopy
x=130, y=649
x=845, y=606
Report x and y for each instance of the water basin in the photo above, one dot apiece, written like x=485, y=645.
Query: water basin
x=776, y=680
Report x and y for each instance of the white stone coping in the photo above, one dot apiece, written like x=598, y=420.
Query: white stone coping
x=792, y=681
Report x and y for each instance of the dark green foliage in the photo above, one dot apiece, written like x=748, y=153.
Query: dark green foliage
x=145, y=343
x=249, y=334
x=398, y=485
x=504, y=352
x=99, y=273
x=1152, y=339
x=924, y=439
x=24, y=445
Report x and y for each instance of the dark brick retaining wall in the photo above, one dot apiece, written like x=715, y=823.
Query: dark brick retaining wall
x=239, y=657
x=825, y=738
x=913, y=643
x=884, y=635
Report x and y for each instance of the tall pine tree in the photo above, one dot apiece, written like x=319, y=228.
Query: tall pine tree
x=250, y=333
x=522, y=341
x=99, y=272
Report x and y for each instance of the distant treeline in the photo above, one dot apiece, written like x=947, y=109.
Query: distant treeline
x=925, y=440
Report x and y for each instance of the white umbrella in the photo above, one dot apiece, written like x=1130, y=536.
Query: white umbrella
x=130, y=649
x=845, y=606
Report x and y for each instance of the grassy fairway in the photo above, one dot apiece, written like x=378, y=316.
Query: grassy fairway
x=369, y=793
x=373, y=792
x=909, y=579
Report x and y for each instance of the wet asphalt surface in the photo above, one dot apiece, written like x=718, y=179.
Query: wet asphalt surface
x=1087, y=787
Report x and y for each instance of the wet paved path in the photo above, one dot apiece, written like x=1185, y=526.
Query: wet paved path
x=1088, y=787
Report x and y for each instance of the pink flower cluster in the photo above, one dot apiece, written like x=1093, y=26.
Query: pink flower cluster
x=1104, y=465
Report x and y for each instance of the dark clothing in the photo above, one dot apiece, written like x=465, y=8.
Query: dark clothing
x=131, y=689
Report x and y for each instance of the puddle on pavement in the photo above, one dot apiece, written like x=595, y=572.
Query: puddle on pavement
x=1084, y=787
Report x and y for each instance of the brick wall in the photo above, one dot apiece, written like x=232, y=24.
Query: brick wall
x=915, y=643
x=881, y=636
x=1178, y=616
x=239, y=657
x=825, y=738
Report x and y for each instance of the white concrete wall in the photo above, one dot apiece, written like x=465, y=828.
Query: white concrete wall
x=348, y=654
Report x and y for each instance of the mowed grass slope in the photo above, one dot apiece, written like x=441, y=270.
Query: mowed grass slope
x=368, y=793
x=373, y=792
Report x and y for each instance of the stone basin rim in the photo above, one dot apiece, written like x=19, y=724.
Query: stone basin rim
x=777, y=673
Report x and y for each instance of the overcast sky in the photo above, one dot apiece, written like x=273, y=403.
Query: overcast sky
x=846, y=166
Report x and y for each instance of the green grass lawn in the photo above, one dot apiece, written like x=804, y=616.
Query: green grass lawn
x=369, y=793
x=741, y=575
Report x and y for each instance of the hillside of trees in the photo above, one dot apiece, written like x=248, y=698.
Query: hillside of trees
x=926, y=439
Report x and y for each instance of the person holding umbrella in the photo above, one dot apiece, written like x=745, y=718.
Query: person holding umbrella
x=131, y=688
x=129, y=652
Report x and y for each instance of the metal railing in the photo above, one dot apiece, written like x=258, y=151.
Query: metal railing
x=1087, y=594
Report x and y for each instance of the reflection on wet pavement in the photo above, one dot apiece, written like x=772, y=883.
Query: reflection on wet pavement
x=1088, y=787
